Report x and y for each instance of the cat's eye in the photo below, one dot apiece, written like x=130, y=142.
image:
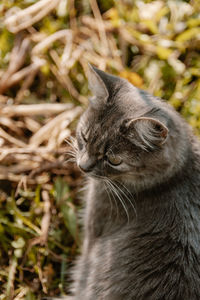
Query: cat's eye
x=114, y=160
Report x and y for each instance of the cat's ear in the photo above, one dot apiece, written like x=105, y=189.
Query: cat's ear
x=149, y=132
x=97, y=85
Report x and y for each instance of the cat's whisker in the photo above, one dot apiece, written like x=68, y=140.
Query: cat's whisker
x=72, y=153
x=120, y=198
x=106, y=179
x=113, y=197
x=125, y=195
x=122, y=192
x=72, y=143
x=116, y=189
x=70, y=159
x=111, y=205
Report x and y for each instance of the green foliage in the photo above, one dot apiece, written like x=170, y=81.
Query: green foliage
x=67, y=207
x=20, y=236
x=6, y=43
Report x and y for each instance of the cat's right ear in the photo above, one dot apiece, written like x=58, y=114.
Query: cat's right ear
x=97, y=87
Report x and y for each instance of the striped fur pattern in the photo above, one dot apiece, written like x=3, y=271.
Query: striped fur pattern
x=141, y=236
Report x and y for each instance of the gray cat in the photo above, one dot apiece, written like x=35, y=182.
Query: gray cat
x=142, y=214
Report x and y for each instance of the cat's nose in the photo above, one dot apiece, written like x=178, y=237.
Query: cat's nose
x=86, y=163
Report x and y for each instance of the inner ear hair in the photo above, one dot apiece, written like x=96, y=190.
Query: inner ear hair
x=152, y=132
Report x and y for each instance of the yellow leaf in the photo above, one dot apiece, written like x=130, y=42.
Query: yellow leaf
x=163, y=53
x=161, y=13
x=112, y=14
x=45, y=69
x=195, y=71
x=1, y=229
x=132, y=77
x=193, y=22
x=134, y=33
x=151, y=25
x=188, y=34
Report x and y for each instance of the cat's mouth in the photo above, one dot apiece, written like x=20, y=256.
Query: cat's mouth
x=93, y=174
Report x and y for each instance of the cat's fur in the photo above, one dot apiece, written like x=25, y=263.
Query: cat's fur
x=142, y=216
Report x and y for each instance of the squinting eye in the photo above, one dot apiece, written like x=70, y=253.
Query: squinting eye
x=114, y=160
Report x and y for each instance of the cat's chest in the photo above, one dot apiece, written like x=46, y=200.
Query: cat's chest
x=105, y=213
x=131, y=265
x=126, y=253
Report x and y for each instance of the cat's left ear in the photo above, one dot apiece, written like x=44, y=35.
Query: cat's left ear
x=149, y=132
x=97, y=85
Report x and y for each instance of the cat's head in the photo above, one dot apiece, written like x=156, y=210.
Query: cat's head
x=127, y=133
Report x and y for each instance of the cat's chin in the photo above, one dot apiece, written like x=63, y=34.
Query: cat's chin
x=95, y=176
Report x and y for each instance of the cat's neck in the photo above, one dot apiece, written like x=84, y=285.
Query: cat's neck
x=173, y=207
x=176, y=190
x=167, y=206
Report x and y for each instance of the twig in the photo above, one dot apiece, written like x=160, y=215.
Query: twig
x=46, y=217
x=101, y=29
x=48, y=41
x=17, y=58
x=22, y=293
x=66, y=82
x=32, y=124
x=11, y=278
x=47, y=167
x=16, y=178
x=16, y=77
x=94, y=24
x=13, y=125
x=28, y=16
x=35, y=109
x=45, y=132
x=11, y=139
x=25, y=85
x=72, y=14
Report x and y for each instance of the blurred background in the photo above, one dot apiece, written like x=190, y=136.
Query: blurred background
x=45, y=47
